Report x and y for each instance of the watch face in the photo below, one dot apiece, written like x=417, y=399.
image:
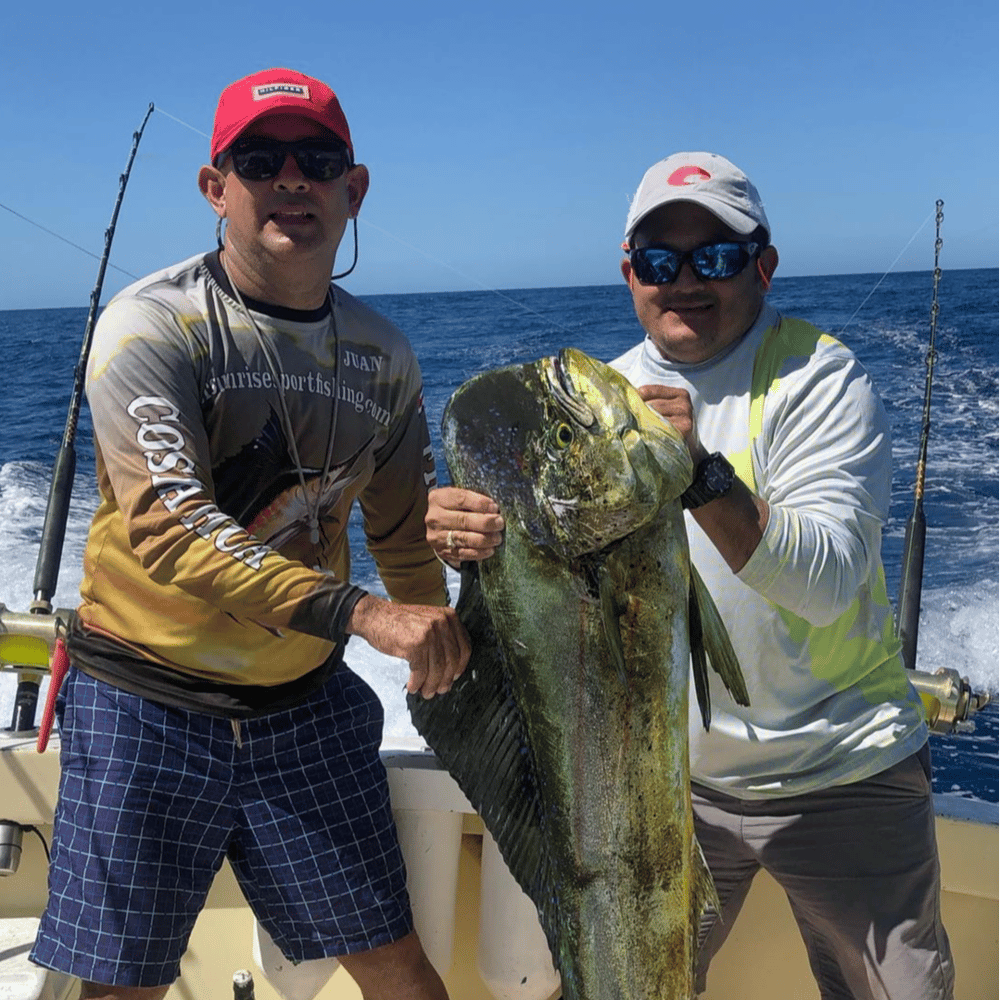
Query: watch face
x=718, y=476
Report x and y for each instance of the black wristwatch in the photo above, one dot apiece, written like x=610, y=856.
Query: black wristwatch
x=712, y=479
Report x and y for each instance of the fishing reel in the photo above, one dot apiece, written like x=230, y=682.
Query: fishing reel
x=949, y=700
x=27, y=645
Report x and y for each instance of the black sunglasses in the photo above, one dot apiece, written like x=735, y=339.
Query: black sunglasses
x=661, y=265
x=260, y=159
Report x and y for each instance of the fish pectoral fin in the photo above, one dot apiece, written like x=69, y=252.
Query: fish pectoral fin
x=699, y=663
x=715, y=641
x=610, y=612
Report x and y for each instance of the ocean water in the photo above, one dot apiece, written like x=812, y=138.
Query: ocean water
x=457, y=335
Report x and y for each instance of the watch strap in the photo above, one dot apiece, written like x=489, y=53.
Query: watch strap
x=713, y=478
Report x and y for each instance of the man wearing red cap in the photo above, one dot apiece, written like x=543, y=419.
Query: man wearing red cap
x=241, y=403
x=824, y=779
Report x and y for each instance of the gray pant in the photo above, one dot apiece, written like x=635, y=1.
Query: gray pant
x=860, y=867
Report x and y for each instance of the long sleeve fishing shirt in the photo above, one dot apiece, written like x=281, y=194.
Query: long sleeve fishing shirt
x=808, y=615
x=200, y=564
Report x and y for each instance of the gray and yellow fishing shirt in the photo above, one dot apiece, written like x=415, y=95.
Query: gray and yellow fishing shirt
x=202, y=583
x=798, y=417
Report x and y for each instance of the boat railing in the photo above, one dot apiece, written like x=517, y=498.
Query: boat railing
x=28, y=643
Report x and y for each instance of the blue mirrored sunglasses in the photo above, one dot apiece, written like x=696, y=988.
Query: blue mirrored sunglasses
x=658, y=265
x=260, y=159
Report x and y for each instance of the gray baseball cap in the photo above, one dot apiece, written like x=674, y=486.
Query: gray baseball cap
x=705, y=179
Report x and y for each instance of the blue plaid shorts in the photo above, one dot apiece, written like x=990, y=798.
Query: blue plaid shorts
x=152, y=798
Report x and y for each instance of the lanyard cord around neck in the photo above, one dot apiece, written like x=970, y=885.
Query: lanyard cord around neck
x=278, y=374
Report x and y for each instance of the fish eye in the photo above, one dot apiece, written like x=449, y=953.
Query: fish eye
x=564, y=436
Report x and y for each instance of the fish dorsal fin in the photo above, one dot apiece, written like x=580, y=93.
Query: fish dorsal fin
x=478, y=735
x=713, y=648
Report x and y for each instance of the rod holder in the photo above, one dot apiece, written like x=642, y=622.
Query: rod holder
x=11, y=836
x=243, y=988
x=22, y=722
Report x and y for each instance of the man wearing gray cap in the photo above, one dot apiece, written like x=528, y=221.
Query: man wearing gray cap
x=824, y=780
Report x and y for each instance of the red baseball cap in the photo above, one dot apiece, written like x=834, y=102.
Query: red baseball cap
x=271, y=90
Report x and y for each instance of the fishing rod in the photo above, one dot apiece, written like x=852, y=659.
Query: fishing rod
x=57, y=511
x=948, y=698
x=911, y=578
x=50, y=549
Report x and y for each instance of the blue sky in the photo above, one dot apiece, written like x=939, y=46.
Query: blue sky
x=505, y=140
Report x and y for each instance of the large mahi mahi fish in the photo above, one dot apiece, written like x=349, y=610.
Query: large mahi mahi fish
x=568, y=730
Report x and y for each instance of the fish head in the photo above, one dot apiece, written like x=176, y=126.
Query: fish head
x=618, y=463
x=567, y=448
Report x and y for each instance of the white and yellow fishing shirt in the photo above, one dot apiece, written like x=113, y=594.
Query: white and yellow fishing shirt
x=200, y=563
x=808, y=615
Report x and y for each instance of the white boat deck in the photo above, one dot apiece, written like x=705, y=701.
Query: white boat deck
x=459, y=906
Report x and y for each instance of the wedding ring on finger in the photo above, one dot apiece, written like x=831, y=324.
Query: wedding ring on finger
x=450, y=541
